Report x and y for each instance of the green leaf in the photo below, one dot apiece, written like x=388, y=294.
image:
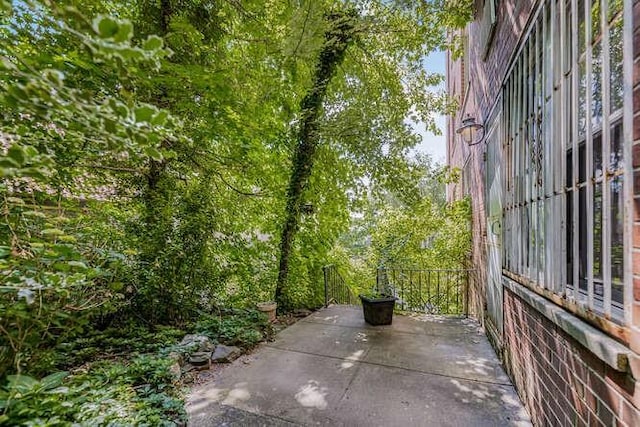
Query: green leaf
x=61, y=266
x=78, y=264
x=152, y=43
x=5, y=251
x=110, y=126
x=53, y=76
x=105, y=26
x=131, y=53
x=16, y=153
x=121, y=110
x=144, y=113
x=36, y=173
x=68, y=239
x=160, y=118
x=15, y=201
x=30, y=151
x=34, y=214
x=22, y=383
x=52, y=232
x=8, y=163
x=60, y=390
x=153, y=153
x=116, y=286
x=6, y=9
x=53, y=380
x=125, y=32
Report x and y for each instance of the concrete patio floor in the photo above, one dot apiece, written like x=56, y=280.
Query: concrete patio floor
x=333, y=369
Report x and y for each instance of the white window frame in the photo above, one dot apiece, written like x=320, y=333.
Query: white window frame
x=541, y=99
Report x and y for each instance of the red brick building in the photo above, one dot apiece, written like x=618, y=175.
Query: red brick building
x=554, y=180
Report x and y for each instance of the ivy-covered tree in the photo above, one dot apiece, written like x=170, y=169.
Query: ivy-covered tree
x=368, y=86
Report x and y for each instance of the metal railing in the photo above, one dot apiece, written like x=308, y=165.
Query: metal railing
x=336, y=291
x=428, y=291
x=425, y=291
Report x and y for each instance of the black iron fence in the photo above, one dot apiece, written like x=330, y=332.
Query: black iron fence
x=336, y=290
x=425, y=291
x=428, y=291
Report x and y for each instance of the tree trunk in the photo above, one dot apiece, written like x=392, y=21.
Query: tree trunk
x=337, y=38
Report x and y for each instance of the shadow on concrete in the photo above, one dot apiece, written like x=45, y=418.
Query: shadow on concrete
x=333, y=369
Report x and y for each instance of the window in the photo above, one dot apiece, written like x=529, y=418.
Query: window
x=487, y=26
x=564, y=156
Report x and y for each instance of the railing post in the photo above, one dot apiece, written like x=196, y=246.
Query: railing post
x=326, y=286
x=466, y=291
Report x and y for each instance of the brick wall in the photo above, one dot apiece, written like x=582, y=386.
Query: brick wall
x=635, y=333
x=487, y=75
x=560, y=381
x=485, y=80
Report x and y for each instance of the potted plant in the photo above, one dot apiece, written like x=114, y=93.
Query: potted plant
x=378, y=308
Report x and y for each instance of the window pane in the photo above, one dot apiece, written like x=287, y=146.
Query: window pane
x=569, y=172
x=596, y=86
x=597, y=155
x=582, y=238
x=568, y=84
x=534, y=234
x=569, y=237
x=615, y=7
x=597, y=233
x=568, y=39
x=540, y=243
x=616, y=154
x=524, y=214
x=581, y=28
x=617, y=246
x=582, y=163
x=615, y=54
x=595, y=19
x=582, y=99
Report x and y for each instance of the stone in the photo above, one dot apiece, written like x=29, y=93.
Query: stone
x=197, y=343
x=201, y=358
x=301, y=312
x=225, y=354
x=176, y=358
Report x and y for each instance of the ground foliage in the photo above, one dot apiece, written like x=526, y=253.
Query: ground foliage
x=146, y=151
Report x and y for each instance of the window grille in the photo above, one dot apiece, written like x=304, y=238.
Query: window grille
x=567, y=133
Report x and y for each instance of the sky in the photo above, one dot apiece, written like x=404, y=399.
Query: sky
x=435, y=145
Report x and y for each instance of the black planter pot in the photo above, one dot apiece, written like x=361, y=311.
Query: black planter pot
x=379, y=310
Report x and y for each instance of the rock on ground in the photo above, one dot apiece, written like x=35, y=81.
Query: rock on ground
x=225, y=354
x=199, y=343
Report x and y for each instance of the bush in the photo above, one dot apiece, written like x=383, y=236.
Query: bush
x=244, y=328
x=136, y=393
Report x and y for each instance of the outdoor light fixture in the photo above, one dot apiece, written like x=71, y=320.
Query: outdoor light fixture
x=468, y=130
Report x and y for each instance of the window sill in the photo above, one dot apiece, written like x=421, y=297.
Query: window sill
x=604, y=347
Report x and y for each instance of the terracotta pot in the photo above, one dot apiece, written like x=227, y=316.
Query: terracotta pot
x=269, y=308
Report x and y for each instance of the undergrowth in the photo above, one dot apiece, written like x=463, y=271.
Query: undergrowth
x=119, y=376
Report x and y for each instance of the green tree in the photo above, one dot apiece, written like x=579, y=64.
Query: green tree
x=369, y=79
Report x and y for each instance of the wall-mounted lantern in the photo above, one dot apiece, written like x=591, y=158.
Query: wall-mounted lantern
x=469, y=129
